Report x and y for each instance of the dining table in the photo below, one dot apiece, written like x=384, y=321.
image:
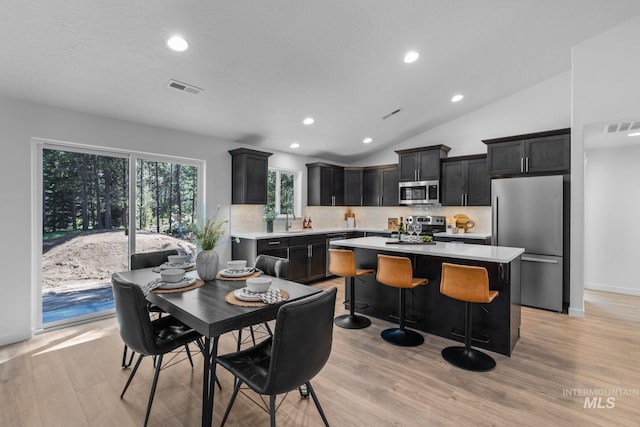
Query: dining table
x=206, y=310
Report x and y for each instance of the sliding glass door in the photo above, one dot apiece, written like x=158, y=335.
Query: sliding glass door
x=87, y=217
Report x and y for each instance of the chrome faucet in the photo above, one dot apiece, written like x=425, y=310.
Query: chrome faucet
x=287, y=225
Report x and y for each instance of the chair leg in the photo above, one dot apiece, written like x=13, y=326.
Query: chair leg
x=467, y=357
x=153, y=389
x=186, y=348
x=317, y=402
x=266, y=326
x=239, y=345
x=133, y=373
x=272, y=410
x=400, y=335
x=124, y=357
x=352, y=320
x=233, y=399
x=253, y=336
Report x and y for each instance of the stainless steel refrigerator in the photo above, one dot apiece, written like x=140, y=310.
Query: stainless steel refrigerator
x=528, y=213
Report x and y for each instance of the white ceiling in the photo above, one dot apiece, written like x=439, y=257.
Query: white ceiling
x=264, y=65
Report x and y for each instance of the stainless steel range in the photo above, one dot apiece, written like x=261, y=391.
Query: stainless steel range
x=430, y=224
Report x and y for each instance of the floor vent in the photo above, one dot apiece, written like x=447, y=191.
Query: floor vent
x=184, y=87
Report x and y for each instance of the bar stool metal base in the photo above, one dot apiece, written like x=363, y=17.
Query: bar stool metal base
x=402, y=337
x=349, y=321
x=469, y=359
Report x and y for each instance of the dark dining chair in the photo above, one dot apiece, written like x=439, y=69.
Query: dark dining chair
x=148, y=260
x=271, y=266
x=296, y=353
x=144, y=336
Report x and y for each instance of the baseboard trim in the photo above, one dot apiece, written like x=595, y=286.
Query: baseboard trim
x=614, y=289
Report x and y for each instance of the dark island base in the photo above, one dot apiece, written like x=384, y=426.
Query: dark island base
x=496, y=326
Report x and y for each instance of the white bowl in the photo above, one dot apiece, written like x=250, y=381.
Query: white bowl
x=237, y=265
x=172, y=275
x=259, y=284
x=177, y=259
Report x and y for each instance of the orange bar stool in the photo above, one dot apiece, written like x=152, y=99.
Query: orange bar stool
x=397, y=272
x=471, y=285
x=343, y=263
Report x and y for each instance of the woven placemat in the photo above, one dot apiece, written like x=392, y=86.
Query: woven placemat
x=231, y=299
x=197, y=284
x=254, y=274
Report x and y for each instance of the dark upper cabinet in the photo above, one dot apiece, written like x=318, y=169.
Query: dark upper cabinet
x=537, y=154
x=325, y=185
x=466, y=181
x=421, y=164
x=249, y=170
x=353, y=186
x=380, y=186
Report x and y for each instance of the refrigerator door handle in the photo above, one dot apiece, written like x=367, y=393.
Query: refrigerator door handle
x=496, y=211
x=533, y=259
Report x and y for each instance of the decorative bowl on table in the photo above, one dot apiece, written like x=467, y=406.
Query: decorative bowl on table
x=177, y=259
x=259, y=285
x=172, y=275
x=237, y=265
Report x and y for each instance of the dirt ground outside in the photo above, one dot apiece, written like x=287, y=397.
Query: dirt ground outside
x=88, y=259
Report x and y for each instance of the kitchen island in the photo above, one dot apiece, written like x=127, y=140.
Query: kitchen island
x=496, y=326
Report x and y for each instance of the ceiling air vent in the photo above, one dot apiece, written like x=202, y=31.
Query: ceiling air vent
x=184, y=87
x=394, y=112
x=622, y=127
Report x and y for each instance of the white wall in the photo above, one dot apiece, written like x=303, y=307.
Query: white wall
x=605, y=89
x=21, y=121
x=611, y=237
x=544, y=106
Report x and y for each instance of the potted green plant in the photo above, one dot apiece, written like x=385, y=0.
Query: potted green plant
x=269, y=214
x=207, y=236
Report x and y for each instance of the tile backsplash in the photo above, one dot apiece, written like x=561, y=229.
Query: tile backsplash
x=248, y=218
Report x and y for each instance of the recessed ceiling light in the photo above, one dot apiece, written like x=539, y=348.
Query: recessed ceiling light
x=308, y=121
x=295, y=145
x=634, y=134
x=367, y=140
x=411, y=56
x=457, y=98
x=177, y=43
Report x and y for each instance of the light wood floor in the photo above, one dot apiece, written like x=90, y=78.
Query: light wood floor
x=72, y=377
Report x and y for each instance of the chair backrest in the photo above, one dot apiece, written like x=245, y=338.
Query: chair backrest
x=395, y=271
x=342, y=262
x=465, y=283
x=273, y=265
x=133, y=316
x=151, y=259
x=301, y=342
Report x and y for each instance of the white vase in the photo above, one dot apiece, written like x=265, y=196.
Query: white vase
x=207, y=264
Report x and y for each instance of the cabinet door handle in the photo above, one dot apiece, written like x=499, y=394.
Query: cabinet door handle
x=526, y=168
x=462, y=199
x=274, y=243
x=418, y=175
x=309, y=251
x=466, y=199
x=521, y=164
x=381, y=200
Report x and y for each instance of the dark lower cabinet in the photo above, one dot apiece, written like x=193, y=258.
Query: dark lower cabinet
x=306, y=254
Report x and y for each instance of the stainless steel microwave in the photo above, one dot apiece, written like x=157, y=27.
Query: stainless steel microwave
x=419, y=192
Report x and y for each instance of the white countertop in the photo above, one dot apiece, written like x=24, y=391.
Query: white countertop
x=278, y=234
x=488, y=253
x=481, y=236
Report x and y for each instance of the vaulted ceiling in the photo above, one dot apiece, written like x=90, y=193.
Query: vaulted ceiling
x=265, y=65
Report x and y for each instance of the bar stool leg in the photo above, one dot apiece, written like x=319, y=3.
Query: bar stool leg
x=352, y=320
x=467, y=357
x=402, y=336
